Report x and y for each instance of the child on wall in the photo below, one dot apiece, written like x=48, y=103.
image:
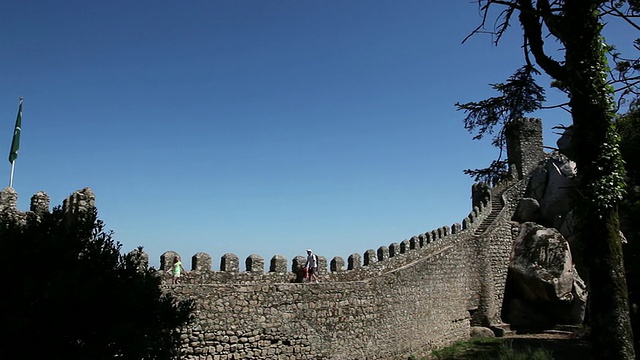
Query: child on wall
x=177, y=269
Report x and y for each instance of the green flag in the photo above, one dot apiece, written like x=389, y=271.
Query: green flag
x=15, y=143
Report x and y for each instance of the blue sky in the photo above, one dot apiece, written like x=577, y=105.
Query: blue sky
x=251, y=127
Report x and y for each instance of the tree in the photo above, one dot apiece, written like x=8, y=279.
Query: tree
x=519, y=95
x=580, y=69
x=70, y=293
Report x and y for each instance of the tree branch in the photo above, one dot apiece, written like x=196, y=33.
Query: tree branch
x=533, y=31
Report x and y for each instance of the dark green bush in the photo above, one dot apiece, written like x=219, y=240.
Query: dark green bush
x=70, y=294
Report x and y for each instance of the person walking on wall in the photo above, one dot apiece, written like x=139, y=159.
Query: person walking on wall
x=312, y=265
x=177, y=269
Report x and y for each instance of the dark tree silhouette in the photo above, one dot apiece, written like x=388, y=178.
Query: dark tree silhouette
x=70, y=294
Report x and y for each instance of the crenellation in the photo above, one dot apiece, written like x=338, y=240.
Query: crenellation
x=201, y=262
x=40, y=203
x=254, y=263
x=428, y=238
x=8, y=199
x=405, y=246
x=298, y=262
x=472, y=218
x=423, y=240
x=445, y=231
x=139, y=257
x=415, y=243
x=394, y=249
x=322, y=265
x=354, y=261
x=229, y=263
x=480, y=193
x=383, y=253
x=337, y=264
x=369, y=257
x=456, y=228
x=167, y=260
x=278, y=264
x=79, y=202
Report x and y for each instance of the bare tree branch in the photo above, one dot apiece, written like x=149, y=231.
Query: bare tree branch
x=533, y=31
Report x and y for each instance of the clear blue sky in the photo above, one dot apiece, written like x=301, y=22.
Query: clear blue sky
x=261, y=127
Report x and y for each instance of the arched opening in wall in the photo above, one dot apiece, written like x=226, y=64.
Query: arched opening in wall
x=509, y=299
x=521, y=310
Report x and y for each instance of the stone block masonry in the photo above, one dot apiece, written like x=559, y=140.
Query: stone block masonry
x=425, y=296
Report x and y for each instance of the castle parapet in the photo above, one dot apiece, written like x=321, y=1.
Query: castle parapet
x=358, y=266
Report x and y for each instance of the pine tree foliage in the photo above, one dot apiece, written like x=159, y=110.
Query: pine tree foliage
x=519, y=95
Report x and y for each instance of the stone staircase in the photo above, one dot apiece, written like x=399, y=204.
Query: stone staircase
x=496, y=205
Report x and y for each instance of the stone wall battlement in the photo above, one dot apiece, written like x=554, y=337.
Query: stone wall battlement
x=356, y=267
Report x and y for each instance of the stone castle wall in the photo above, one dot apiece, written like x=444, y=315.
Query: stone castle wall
x=399, y=299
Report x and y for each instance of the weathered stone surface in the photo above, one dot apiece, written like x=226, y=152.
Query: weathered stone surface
x=254, y=263
x=8, y=199
x=551, y=185
x=167, y=259
x=201, y=262
x=337, y=264
x=40, y=203
x=542, y=264
x=528, y=210
x=481, y=332
x=545, y=287
x=278, y=264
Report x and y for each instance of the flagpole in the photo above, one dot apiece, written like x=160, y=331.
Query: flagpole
x=13, y=165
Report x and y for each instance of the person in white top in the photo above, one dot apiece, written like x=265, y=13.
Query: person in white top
x=312, y=265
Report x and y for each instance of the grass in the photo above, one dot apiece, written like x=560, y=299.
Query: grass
x=488, y=349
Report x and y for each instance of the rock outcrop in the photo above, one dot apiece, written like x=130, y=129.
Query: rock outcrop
x=544, y=287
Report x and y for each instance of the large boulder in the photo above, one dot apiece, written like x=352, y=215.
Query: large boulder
x=544, y=287
x=551, y=184
x=528, y=209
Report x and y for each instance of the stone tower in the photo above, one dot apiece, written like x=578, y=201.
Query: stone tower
x=524, y=145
